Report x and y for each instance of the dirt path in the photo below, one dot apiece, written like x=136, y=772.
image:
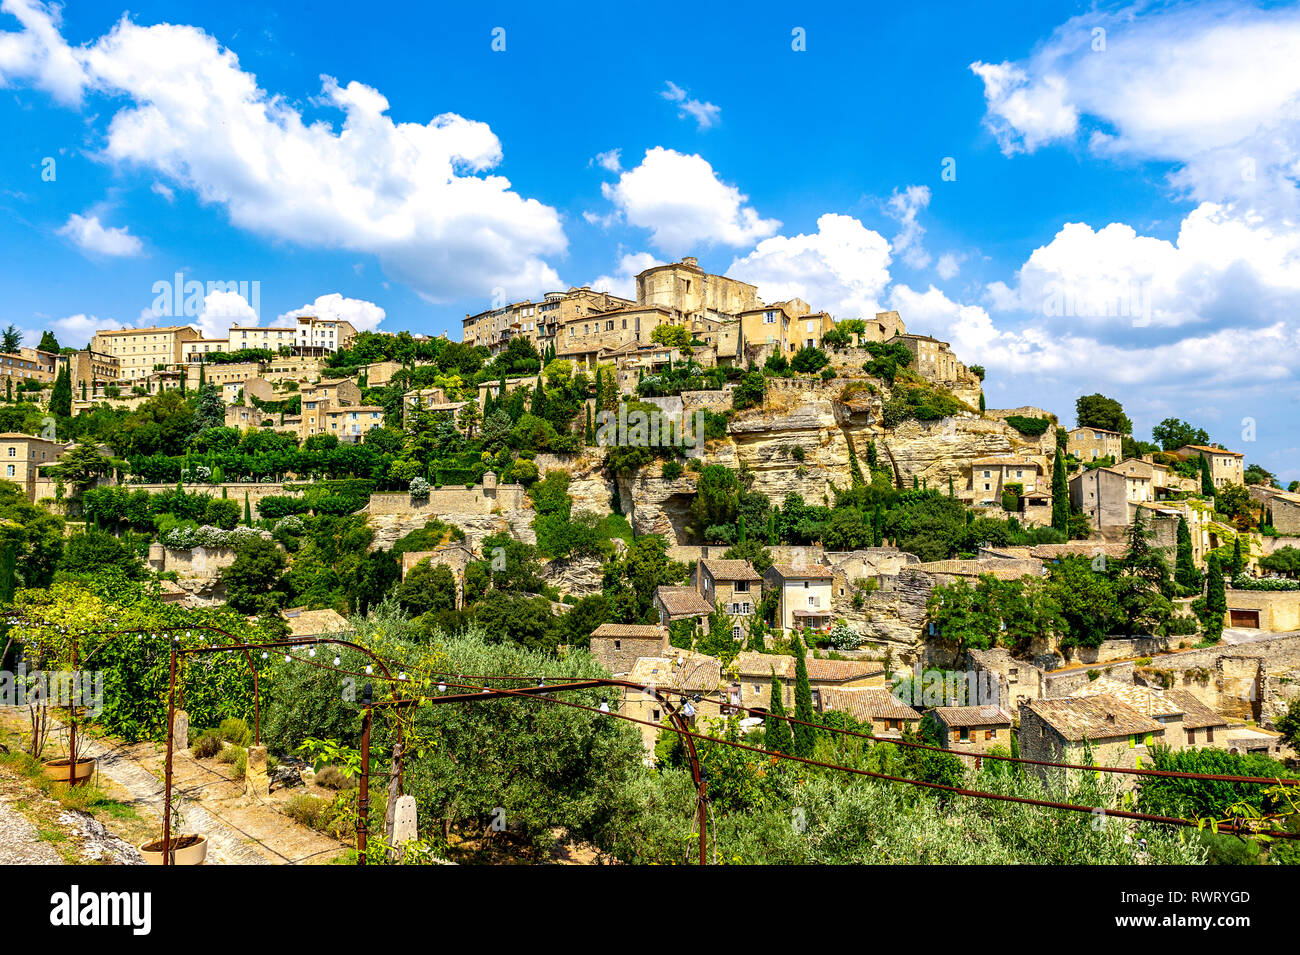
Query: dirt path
x=240, y=830
x=20, y=843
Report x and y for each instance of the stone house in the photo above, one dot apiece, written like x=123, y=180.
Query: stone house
x=932, y=359
x=1169, y=711
x=21, y=457
x=1061, y=730
x=680, y=603
x=1283, y=507
x=733, y=584
x=314, y=623
x=537, y=322
x=676, y=674
x=1015, y=682
x=875, y=706
x=1103, y=495
x=139, y=350
x=1276, y=611
x=754, y=676
x=1089, y=444
x=1226, y=467
x=990, y=476
x=805, y=595
x=617, y=646
x=972, y=729
x=352, y=423
x=687, y=290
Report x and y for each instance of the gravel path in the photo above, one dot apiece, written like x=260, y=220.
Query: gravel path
x=19, y=844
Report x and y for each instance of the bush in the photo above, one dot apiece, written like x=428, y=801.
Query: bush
x=235, y=730
x=672, y=470
x=206, y=745
x=331, y=777
x=1028, y=426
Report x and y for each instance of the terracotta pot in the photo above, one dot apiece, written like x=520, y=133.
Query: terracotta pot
x=57, y=769
x=192, y=854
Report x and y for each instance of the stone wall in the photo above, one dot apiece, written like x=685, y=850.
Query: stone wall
x=234, y=490
x=450, y=500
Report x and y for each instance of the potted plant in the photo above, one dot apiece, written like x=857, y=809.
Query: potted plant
x=188, y=848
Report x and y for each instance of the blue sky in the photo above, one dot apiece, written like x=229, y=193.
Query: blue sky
x=1122, y=216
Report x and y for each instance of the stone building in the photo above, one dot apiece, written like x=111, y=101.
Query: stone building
x=1226, y=467
x=990, y=476
x=1060, y=730
x=932, y=359
x=322, y=336
x=29, y=364
x=1277, y=611
x=1090, y=444
x=972, y=729
x=686, y=290
x=1171, y=712
x=1103, y=495
x=22, y=455
x=1281, y=508
x=536, y=322
x=875, y=706
x=755, y=670
x=675, y=675
x=93, y=370
x=272, y=339
x=805, y=595
x=680, y=603
x=733, y=584
x=139, y=350
x=617, y=646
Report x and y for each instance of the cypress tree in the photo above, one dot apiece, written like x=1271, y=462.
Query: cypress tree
x=951, y=492
x=248, y=511
x=772, y=539
x=1207, y=485
x=8, y=576
x=1060, y=494
x=1185, y=572
x=539, y=400
x=914, y=483
x=61, y=394
x=871, y=455
x=981, y=402
x=83, y=390
x=1216, y=601
x=777, y=737
x=805, y=737
x=1238, y=562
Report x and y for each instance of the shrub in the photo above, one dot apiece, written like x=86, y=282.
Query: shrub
x=235, y=730
x=672, y=470
x=331, y=777
x=206, y=745
x=1028, y=426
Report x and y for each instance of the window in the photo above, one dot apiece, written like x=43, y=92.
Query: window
x=10, y=470
x=1209, y=734
x=618, y=644
x=742, y=586
x=13, y=452
x=965, y=734
x=991, y=734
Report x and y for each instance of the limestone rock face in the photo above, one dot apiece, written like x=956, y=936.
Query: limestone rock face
x=390, y=528
x=934, y=451
x=579, y=576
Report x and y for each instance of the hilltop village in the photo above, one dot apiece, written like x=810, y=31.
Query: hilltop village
x=824, y=514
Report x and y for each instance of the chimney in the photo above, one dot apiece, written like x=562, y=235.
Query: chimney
x=691, y=260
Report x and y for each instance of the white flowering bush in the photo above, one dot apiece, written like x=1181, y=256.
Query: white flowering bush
x=187, y=538
x=419, y=489
x=844, y=637
x=290, y=525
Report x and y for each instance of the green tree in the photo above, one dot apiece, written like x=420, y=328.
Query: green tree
x=1174, y=433
x=12, y=340
x=720, y=639
x=1207, y=484
x=1185, y=572
x=48, y=342
x=61, y=393
x=1216, y=600
x=428, y=588
x=1098, y=411
x=805, y=737
x=1060, y=494
x=777, y=737
x=255, y=582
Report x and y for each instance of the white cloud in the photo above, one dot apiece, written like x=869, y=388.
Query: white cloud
x=221, y=309
x=1213, y=88
x=91, y=236
x=164, y=190
x=38, y=54
x=610, y=160
x=364, y=316
x=417, y=196
x=705, y=114
x=905, y=206
x=1225, y=267
x=843, y=267
x=623, y=281
x=77, y=330
x=949, y=265
x=683, y=202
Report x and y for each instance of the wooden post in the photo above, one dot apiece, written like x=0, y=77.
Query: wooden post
x=167, y=774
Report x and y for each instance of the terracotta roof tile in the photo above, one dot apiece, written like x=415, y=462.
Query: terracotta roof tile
x=1093, y=717
x=730, y=569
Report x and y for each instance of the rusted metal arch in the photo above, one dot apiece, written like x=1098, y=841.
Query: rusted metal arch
x=285, y=643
